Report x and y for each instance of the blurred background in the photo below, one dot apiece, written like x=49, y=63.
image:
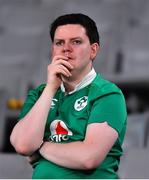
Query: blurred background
x=124, y=59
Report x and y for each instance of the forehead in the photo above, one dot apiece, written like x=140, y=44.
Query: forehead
x=70, y=30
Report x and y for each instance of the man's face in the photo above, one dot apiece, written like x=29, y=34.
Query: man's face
x=72, y=42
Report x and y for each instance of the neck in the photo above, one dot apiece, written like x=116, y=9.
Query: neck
x=69, y=86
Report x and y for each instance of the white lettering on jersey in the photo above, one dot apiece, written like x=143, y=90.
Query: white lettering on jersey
x=59, y=131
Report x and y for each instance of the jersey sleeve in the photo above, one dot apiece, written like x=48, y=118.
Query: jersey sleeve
x=31, y=99
x=110, y=108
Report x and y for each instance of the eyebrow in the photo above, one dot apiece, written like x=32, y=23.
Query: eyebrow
x=60, y=39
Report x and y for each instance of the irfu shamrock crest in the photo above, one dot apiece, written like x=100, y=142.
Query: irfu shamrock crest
x=80, y=103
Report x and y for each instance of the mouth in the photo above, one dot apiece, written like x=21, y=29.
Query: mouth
x=69, y=56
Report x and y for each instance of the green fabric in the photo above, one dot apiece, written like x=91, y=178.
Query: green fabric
x=67, y=121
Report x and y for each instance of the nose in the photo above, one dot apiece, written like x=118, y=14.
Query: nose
x=67, y=48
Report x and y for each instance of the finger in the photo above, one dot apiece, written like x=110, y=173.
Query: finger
x=65, y=63
x=59, y=57
x=64, y=71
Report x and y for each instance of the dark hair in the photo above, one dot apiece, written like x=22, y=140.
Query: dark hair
x=83, y=20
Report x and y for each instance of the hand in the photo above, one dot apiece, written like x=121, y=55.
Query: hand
x=33, y=158
x=58, y=68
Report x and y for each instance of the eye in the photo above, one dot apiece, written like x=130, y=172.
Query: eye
x=59, y=43
x=77, y=42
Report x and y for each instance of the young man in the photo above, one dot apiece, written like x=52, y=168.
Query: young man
x=77, y=120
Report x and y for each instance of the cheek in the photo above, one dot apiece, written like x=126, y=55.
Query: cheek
x=83, y=57
x=85, y=54
x=56, y=51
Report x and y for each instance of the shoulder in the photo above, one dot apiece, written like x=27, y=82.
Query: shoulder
x=37, y=91
x=101, y=87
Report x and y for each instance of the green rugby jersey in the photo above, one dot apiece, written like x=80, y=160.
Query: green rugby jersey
x=67, y=121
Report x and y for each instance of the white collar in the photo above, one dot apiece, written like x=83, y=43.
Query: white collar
x=84, y=82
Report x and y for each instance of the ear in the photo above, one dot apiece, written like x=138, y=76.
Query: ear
x=94, y=50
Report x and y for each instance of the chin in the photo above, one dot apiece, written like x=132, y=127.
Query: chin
x=68, y=79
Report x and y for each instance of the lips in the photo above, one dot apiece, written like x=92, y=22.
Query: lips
x=69, y=56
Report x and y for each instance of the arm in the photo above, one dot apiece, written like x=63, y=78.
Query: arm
x=28, y=133
x=100, y=138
